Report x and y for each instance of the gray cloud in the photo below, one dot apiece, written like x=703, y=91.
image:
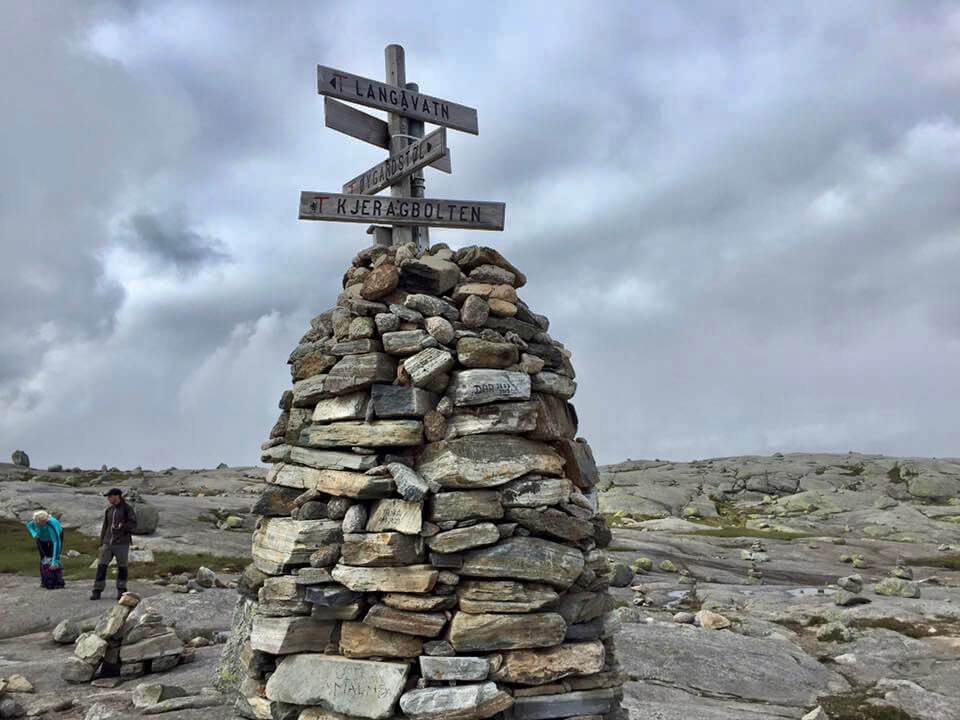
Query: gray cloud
x=168, y=238
x=741, y=219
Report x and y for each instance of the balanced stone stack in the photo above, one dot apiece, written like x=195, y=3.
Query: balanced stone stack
x=123, y=646
x=430, y=546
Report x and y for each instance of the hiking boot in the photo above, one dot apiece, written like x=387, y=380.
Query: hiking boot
x=95, y=595
x=120, y=593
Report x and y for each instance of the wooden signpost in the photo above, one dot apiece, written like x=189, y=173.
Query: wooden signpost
x=475, y=215
x=399, y=100
x=406, y=210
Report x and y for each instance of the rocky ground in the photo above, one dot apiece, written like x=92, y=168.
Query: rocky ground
x=763, y=542
x=759, y=541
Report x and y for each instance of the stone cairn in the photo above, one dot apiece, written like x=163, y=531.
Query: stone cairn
x=121, y=646
x=430, y=546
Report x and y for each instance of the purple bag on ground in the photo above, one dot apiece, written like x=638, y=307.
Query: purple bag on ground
x=50, y=577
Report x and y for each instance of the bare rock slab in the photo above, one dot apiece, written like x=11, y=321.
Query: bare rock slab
x=556, y=418
x=359, y=688
x=341, y=483
x=465, y=702
x=526, y=558
x=279, y=542
x=514, y=418
x=332, y=459
x=538, y=667
x=480, y=461
x=423, y=624
x=554, y=384
x=478, y=353
x=401, y=401
x=286, y=635
x=413, y=579
x=398, y=515
x=581, y=468
x=358, y=372
x=460, y=539
x=573, y=704
x=484, y=632
x=381, y=549
x=466, y=505
x=479, y=387
x=352, y=406
x=503, y=596
x=535, y=492
x=359, y=640
x=382, y=433
x=428, y=365
x=454, y=668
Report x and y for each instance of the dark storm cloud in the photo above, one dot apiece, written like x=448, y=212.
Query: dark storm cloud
x=167, y=237
x=741, y=218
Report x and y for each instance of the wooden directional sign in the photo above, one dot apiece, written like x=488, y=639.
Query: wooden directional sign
x=468, y=214
x=363, y=91
x=413, y=157
x=361, y=126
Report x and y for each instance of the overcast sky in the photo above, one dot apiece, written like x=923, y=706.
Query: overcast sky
x=742, y=218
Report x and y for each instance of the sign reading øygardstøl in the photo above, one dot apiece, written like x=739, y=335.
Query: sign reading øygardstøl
x=468, y=214
x=361, y=126
x=392, y=170
x=364, y=91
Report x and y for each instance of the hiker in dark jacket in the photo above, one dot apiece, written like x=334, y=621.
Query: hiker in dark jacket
x=119, y=522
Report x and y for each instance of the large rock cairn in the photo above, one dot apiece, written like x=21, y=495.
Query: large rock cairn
x=429, y=546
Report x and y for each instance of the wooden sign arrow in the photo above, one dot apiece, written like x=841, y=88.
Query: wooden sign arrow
x=359, y=125
x=364, y=91
x=413, y=157
x=467, y=214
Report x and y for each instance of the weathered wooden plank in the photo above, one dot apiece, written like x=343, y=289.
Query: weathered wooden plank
x=364, y=91
x=467, y=214
x=395, y=75
x=403, y=164
x=358, y=124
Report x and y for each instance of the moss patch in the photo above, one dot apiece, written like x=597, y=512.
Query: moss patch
x=854, y=706
x=19, y=556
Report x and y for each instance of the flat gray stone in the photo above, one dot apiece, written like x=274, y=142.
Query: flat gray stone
x=479, y=461
x=464, y=702
x=401, y=401
x=359, y=688
x=479, y=387
x=526, y=558
x=454, y=668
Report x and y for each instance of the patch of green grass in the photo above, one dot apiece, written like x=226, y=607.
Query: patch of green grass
x=737, y=532
x=894, y=474
x=859, y=705
x=19, y=556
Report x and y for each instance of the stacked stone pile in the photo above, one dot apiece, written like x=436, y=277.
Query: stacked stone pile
x=429, y=544
x=126, y=647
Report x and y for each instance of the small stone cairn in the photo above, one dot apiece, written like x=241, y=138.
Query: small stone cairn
x=429, y=546
x=120, y=646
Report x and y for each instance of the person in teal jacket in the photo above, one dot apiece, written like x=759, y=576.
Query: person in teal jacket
x=47, y=531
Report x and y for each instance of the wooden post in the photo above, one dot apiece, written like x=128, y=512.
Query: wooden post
x=396, y=75
x=381, y=235
x=421, y=233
